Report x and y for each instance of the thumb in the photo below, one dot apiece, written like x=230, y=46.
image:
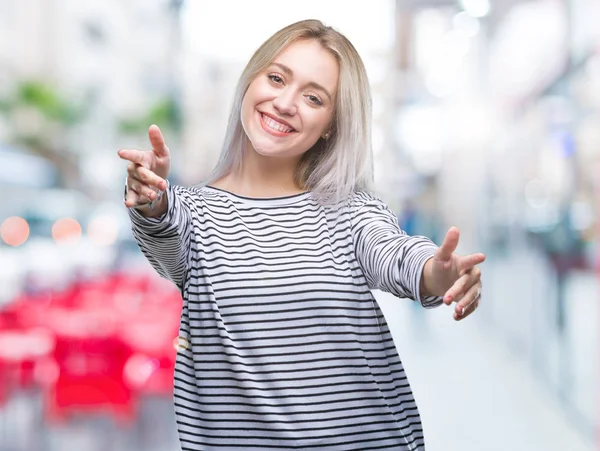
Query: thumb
x=157, y=140
x=449, y=245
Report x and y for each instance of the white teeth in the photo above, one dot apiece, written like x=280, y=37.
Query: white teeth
x=278, y=126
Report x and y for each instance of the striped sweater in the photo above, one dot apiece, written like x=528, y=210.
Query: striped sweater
x=283, y=345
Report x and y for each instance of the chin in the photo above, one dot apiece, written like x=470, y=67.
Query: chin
x=266, y=147
x=268, y=151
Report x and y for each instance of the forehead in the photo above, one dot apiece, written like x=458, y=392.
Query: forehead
x=311, y=62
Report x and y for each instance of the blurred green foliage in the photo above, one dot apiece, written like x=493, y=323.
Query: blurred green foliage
x=44, y=98
x=48, y=116
x=164, y=113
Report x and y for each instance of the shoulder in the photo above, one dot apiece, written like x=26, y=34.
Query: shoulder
x=200, y=198
x=360, y=200
x=368, y=208
x=196, y=192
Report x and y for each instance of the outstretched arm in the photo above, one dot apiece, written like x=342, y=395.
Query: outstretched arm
x=159, y=212
x=391, y=260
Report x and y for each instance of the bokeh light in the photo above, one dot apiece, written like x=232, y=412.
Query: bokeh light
x=14, y=231
x=66, y=230
x=103, y=231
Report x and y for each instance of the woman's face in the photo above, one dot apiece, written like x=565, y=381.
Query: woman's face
x=289, y=105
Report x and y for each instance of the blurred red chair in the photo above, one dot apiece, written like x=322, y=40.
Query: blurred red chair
x=149, y=375
x=23, y=343
x=90, y=361
x=152, y=336
x=114, y=341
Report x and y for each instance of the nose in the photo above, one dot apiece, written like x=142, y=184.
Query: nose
x=285, y=103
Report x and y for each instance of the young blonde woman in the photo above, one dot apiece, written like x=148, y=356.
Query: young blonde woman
x=276, y=255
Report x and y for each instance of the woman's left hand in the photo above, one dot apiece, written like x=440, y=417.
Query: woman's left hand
x=457, y=278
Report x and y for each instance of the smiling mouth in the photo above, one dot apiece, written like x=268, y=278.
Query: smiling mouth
x=275, y=127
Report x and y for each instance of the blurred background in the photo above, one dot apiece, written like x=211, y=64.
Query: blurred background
x=486, y=116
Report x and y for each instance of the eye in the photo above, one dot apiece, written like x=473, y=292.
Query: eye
x=275, y=79
x=314, y=99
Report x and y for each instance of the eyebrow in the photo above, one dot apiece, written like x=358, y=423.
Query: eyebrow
x=315, y=85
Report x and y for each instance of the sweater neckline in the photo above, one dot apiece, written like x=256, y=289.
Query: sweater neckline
x=280, y=200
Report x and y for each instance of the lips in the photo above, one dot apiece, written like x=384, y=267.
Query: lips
x=275, y=126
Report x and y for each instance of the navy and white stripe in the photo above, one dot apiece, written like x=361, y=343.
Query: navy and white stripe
x=286, y=347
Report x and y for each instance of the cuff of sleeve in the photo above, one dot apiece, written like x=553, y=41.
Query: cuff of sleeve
x=161, y=223
x=425, y=252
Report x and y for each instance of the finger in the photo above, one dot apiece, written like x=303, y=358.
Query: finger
x=141, y=189
x=158, y=142
x=449, y=245
x=470, y=297
x=149, y=178
x=135, y=156
x=470, y=309
x=133, y=198
x=455, y=292
x=467, y=262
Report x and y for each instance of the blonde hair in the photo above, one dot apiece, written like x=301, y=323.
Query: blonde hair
x=334, y=167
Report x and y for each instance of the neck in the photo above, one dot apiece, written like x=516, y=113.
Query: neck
x=262, y=176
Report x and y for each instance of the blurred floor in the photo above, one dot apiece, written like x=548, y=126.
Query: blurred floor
x=474, y=394
x=22, y=429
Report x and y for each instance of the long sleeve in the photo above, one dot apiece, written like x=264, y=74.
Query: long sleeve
x=166, y=240
x=391, y=260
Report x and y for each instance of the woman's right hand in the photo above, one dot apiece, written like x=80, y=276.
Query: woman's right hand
x=147, y=172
